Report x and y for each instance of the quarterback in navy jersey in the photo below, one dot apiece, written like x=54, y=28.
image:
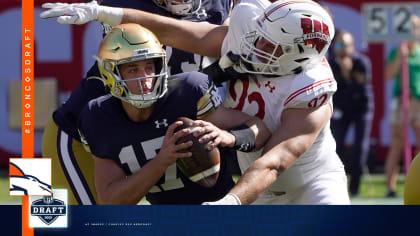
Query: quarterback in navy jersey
x=131, y=132
x=110, y=133
x=61, y=141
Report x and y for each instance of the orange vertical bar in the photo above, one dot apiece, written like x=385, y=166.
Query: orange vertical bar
x=27, y=98
x=26, y=230
x=27, y=78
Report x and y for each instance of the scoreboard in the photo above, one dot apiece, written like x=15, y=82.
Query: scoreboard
x=388, y=22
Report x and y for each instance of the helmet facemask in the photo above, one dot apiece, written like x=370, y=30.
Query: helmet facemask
x=257, y=61
x=301, y=29
x=132, y=45
x=121, y=89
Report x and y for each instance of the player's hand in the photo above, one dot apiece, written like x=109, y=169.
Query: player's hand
x=170, y=151
x=81, y=13
x=229, y=199
x=212, y=135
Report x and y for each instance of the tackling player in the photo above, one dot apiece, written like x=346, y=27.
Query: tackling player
x=131, y=134
x=276, y=53
x=72, y=165
x=290, y=86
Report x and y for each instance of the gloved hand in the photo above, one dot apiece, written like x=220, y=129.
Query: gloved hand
x=229, y=199
x=229, y=60
x=81, y=13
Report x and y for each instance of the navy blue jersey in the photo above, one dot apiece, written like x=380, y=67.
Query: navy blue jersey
x=212, y=11
x=110, y=134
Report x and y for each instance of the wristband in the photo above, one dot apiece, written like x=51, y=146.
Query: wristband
x=244, y=138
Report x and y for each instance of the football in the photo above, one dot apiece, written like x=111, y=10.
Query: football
x=204, y=165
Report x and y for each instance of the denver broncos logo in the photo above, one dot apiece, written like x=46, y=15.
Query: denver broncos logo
x=23, y=184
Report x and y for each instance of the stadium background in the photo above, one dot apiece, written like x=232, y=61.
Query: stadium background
x=63, y=54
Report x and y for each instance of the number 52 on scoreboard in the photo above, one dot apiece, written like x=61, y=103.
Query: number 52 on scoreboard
x=386, y=22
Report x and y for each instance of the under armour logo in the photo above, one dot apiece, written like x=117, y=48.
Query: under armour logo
x=164, y=123
x=272, y=88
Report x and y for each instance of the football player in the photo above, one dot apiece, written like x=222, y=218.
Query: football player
x=131, y=132
x=282, y=48
x=275, y=54
x=72, y=166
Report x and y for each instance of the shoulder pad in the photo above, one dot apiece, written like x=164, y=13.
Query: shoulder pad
x=311, y=88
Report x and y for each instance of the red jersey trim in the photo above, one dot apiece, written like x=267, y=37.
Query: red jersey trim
x=307, y=88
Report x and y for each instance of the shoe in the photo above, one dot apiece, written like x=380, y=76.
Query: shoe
x=390, y=194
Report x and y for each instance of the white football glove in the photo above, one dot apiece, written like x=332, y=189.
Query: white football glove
x=229, y=199
x=81, y=13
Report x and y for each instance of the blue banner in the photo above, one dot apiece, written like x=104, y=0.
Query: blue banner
x=240, y=220
x=226, y=220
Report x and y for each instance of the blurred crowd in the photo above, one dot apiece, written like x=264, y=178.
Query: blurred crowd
x=354, y=105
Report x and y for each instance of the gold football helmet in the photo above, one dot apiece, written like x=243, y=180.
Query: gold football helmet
x=128, y=43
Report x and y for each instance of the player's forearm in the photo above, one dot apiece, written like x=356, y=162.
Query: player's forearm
x=252, y=130
x=296, y=134
x=200, y=38
x=261, y=132
x=261, y=174
x=282, y=149
x=130, y=190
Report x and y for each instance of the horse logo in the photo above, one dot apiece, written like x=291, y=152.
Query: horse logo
x=25, y=184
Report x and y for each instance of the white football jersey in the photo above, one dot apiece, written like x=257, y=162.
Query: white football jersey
x=267, y=98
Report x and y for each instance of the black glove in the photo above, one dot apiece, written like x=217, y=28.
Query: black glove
x=219, y=75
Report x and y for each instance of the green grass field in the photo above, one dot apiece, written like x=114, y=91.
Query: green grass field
x=372, y=191
x=5, y=199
